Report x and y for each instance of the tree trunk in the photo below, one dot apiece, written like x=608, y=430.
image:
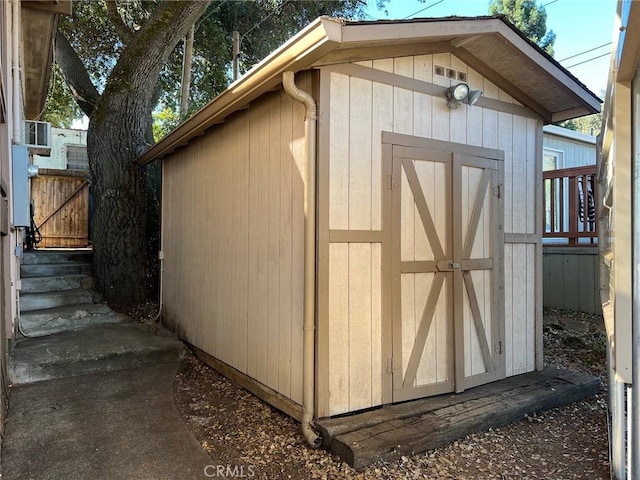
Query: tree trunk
x=116, y=137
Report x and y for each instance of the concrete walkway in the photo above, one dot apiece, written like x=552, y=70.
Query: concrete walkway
x=114, y=425
x=92, y=391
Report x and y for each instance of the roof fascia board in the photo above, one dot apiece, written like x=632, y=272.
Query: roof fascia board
x=410, y=30
x=316, y=40
x=627, y=52
x=524, y=46
x=569, y=114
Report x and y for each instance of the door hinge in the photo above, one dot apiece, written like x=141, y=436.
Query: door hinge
x=392, y=182
x=498, y=191
x=499, y=347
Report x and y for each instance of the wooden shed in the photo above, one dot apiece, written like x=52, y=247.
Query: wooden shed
x=402, y=236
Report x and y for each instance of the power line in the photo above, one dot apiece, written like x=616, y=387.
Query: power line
x=549, y=3
x=425, y=8
x=586, y=51
x=594, y=58
x=276, y=10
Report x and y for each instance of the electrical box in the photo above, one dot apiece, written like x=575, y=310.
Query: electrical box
x=21, y=203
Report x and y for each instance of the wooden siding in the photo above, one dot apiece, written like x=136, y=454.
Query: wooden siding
x=61, y=207
x=233, y=237
x=359, y=110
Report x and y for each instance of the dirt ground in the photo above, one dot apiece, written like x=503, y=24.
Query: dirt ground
x=247, y=437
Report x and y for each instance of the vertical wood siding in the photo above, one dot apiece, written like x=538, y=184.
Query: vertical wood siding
x=233, y=238
x=358, y=111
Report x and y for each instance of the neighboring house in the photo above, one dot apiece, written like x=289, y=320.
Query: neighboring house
x=564, y=148
x=27, y=30
x=427, y=229
x=570, y=255
x=68, y=151
x=619, y=239
x=60, y=193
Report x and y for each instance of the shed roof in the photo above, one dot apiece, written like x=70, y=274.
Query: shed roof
x=490, y=45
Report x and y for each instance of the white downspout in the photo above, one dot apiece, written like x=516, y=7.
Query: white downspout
x=308, y=363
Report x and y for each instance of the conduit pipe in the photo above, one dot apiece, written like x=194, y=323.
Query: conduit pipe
x=308, y=363
x=16, y=72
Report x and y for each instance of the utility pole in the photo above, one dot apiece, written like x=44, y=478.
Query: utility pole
x=186, y=72
x=236, y=51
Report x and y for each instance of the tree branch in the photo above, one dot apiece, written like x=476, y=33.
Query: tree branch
x=121, y=28
x=75, y=75
x=140, y=63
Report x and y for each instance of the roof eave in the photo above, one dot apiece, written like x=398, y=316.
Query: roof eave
x=315, y=44
x=321, y=36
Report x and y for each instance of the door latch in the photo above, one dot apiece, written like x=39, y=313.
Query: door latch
x=454, y=266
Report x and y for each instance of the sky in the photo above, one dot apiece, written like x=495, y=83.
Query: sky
x=579, y=25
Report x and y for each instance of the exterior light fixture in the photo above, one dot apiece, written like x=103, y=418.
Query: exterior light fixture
x=460, y=93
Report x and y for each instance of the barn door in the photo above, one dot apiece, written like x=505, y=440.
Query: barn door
x=446, y=319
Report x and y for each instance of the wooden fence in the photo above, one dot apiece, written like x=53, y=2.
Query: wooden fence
x=569, y=206
x=61, y=202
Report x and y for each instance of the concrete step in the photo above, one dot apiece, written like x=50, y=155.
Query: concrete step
x=54, y=269
x=53, y=284
x=38, y=323
x=34, y=257
x=102, y=348
x=58, y=298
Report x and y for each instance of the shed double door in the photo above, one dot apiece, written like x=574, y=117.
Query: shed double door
x=446, y=268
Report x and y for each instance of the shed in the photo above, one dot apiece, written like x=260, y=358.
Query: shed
x=410, y=257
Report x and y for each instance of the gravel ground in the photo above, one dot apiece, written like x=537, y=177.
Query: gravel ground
x=245, y=436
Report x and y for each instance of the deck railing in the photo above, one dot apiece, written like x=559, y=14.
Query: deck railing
x=569, y=206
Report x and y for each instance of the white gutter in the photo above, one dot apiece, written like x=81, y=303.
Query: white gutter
x=570, y=134
x=308, y=363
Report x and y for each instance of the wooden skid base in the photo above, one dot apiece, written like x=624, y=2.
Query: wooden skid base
x=417, y=426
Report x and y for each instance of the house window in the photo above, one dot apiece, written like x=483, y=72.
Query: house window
x=552, y=159
x=77, y=158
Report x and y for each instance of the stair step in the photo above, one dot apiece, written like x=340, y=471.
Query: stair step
x=102, y=348
x=54, y=269
x=59, y=298
x=53, y=284
x=48, y=321
x=34, y=257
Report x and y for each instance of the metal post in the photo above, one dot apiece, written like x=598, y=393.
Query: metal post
x=617, y=426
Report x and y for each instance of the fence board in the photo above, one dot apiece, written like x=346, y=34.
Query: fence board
x=61, y=207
